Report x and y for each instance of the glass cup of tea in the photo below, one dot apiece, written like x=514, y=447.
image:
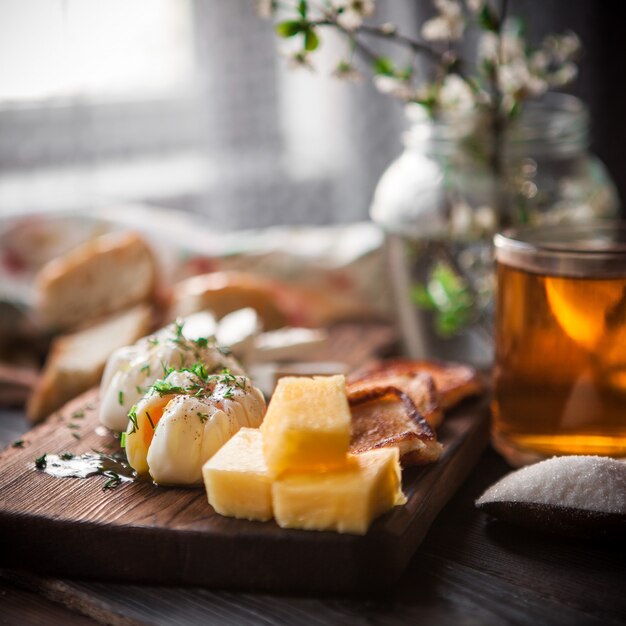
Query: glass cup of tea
x=560, y=365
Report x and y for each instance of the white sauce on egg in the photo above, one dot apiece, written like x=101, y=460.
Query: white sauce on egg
x=132, y=370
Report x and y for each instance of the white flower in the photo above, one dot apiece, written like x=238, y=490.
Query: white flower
x=562, y=47
x=388, y=28
x=515, y=79
x=450, y=9
x=448, y=25
x=346, y=71
x=455, y=95
x=394, y=87
x=460, y=217
x=350, y=14
x=504, y=49
x=265, y=8
x=570, y=45
x=535, y=86
x=511, y=47
x=539, y=61
x=298, y=60
x=564, y=75
x=475, y=6
x=485, y=218
x=489, y=46
x=416, y=113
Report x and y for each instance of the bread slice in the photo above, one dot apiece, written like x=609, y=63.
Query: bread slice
x=76, y=362
x=107, y=274
x=384, y=417
x=225, y=292
x=453, y=381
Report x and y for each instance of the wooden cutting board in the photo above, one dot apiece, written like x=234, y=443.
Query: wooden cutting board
x=140, y=532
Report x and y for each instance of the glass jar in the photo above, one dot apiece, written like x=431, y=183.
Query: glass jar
x=444, y=197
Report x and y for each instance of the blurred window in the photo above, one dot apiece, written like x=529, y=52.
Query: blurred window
x=187, y=104
x=94, y=48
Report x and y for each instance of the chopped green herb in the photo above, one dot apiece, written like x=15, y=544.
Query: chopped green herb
x=228, y=393
x=76, y=435
x=74, y=426
x=78, y=414
x=114, y=480
x=41, y=462
x=150, y=420
x=18, y=444
x=203, y=416
x=201, y=342
x=153, y=340
x=167, y=369
x=164, y=389
x=120, y=397
x=200, y=370
x=122, y=440
x=132, y=416
x=139, y=390
x=146, y=369
x=179, y=324
x=224, y=350
x=227, y=375
x=66, y=456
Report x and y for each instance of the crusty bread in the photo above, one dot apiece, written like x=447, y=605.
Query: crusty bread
x=76, y=362
x=107, y=274
x=224, y=292
x=278, y=303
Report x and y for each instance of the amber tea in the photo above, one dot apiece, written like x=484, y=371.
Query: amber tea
x=560, y=371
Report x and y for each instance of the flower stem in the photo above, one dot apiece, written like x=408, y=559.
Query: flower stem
x=498, y=126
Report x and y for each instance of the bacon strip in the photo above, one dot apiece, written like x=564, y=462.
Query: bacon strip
x=386, y=416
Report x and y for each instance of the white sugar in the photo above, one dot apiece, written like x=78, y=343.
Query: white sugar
x=589, y=483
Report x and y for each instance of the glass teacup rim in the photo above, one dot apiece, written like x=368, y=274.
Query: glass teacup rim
x=596, y=248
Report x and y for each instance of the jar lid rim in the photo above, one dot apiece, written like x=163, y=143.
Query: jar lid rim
x=595, y=248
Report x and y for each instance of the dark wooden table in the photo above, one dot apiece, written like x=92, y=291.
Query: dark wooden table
x=469, y=570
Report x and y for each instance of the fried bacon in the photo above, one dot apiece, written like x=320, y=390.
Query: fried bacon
x=400, y=402
x=454, y=382
x=387, y=416
x=419, y=387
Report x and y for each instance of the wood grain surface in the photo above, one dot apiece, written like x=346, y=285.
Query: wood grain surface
x=141, y=532
x=468, y=571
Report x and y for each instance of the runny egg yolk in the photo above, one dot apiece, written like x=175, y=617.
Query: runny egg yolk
x=138, y=442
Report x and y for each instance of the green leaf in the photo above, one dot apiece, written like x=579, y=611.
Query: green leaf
x=303, y=8
x=488, y=19
x=289, y=28
x=311, y=40
x=448, y=295
x=406, y=73
x=517, y=26
x=420, y=296
x=384, y=66
x=515, y=110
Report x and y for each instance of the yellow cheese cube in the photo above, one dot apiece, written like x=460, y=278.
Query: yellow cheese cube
x=345, y=499
x=307, y=424
x=236, y=478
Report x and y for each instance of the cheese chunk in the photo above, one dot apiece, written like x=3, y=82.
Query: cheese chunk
x=307, y=424
x=236, y=479
x=345, y=499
